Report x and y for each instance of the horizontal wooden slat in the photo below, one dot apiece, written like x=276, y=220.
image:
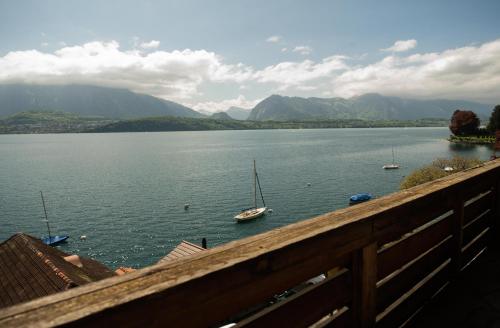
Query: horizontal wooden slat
x=404, y=308
x=305, y=307
x=341, y=319
x=397, y=255
x=474, y=228
x=473, y=210
x=401, y=282
x=392, y=227
x=475, y=247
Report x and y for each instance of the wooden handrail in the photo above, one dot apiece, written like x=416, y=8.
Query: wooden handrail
x=212, y=287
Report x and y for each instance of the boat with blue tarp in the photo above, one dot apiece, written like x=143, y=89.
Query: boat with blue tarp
x=360, y=198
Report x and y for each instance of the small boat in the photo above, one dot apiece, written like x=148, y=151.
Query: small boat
x=253, y=212
x=359, y=198
x=51, y=240
x=392, y=166
x=54, y=240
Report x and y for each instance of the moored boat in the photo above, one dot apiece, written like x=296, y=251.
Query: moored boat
x=253, y=212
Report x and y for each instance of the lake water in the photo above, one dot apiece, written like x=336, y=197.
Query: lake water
x=126, y=191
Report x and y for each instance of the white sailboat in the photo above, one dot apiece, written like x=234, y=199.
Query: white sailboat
x=392, y=166
x=253, y=212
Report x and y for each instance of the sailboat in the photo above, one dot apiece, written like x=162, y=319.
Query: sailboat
x=392, y=166
x=51, y=240
x=253, y=212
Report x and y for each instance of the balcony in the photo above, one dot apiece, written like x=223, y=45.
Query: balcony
x=383, y=260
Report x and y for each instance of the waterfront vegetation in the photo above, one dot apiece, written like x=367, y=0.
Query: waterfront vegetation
x=49, y=122
x=465, y=126
x=476, y=140
x=194, y=124
x=437, y=170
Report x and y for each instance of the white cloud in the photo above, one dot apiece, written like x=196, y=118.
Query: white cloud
x=462, y=73
x=401, y=46
x=274, y=39
x=221, y=106
x=153, y=44
x=471, y=72
x=173, y=75
x=295, y=74
x=303, y=50
x=44, y=44
x=284, y=49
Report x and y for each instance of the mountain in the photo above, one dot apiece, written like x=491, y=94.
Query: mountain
x=221, y=116
x=238, y=113
x=86, y=101
x=370, y=106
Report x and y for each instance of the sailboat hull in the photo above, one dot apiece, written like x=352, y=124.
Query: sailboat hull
x=250, y=214
x=390, y=167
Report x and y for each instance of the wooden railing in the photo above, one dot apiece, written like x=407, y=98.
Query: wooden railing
x=384, y=259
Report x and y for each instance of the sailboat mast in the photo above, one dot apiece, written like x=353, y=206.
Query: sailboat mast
x=254, y=185
x=392, y=155
x=46, y=218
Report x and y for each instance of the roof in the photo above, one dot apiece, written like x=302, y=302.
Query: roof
x=185, y=248
x=30, y=269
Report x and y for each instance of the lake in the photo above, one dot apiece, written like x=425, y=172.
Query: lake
x=126, y=191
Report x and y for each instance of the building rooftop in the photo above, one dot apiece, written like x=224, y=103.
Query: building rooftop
x=185, y=248
x=30, y=269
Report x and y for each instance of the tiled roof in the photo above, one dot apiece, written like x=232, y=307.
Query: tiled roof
x=185, y=248
x=30, y=269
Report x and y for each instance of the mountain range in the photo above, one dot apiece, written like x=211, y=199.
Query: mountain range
x=370, y=106
x=116, y=103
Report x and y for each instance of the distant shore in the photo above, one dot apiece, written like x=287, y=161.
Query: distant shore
x=59, y=122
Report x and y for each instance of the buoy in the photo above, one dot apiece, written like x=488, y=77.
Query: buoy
x=186, y=207
x=308, y=184
x=270, y=210
x=83, y=237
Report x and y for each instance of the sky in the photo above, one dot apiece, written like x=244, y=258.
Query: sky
x=213, y=54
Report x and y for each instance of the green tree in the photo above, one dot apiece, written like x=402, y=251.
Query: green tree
x=494, y=123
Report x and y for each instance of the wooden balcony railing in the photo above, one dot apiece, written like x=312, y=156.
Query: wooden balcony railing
x=384, y=259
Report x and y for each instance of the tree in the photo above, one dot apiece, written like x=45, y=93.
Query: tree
x=437, y=170
x=464, y=122
x=494, y=123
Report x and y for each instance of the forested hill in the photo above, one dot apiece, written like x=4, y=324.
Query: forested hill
x=86, y=101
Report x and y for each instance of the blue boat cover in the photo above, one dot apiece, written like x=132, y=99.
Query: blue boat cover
x=361, y=197
x=54, y=240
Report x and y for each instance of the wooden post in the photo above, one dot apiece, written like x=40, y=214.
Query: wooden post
x=364, y=270
x=458, y=204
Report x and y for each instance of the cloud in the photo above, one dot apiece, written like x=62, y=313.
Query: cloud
x=220, y=106
x=44, y=44
x=172, y=75
x=153, y=44
x=274, y=39
x=284, y=49
x=462, y=73
x=471, y=72
x=303, y=50
x=295, y=74
x=401, y=46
